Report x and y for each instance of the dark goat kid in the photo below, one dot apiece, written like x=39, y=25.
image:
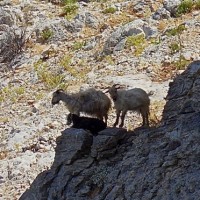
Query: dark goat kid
x=94, y=125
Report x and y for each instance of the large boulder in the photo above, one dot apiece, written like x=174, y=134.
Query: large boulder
x=171, y=6
x=12, y=38
x=117, y=39
x=148, y=163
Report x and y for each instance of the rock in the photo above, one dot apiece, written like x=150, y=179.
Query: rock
x=52, y=31
x=178, y=98
x=76, y=25
x=82, y=141
x=117, y=39
x=120, y=165
x=90, y=44
x=171, y=6
x=91, y=20
x=161, y=13
x=104, y=145
x=160, y=162
x=5, y=2
x=12, y=38
x=6, y=18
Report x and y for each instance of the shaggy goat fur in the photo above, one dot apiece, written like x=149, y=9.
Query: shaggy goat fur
x=92, y=124
x=134, y=99
x=91, y=101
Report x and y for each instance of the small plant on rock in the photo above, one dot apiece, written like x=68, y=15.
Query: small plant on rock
x=77, y=46
x=181, y=63
x=176, y=31
x=50, y=79
x=109, y=60
x=174, y=47
x=185, y=6
x=110, y=10
x=70, y=8
x=11, y=93
x=138, y=42
x=197, y=4
x=46, y=34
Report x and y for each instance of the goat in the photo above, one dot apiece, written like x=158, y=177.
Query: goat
x=90, y=101
x=134, y=99
x=92, y=124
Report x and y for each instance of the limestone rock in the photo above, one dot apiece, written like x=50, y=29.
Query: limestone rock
x=148, y=163
x=120, y=34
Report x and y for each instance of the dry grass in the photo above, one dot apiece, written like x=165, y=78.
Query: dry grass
x=120, y=19
x=156, y=110
x=162, y=25
x=3, y=154
x=89, y=32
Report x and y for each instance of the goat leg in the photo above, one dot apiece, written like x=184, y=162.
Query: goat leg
x=106, y=118
x=143, y=120
x=117, y=118
x=147, y=119
x=122, y=118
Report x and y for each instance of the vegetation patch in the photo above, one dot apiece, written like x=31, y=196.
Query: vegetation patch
x=78, y=45
x=186, y=6
x=181, y=63
x=109, y=60
x=174, y=47
x=79, y=74
x=197, y=4
x=110, y=10
x=70, y=8
x=46, y=34
x=176, y=31
x=121, y=19
x=11, y=93
x=50, y=79
x=138, y=42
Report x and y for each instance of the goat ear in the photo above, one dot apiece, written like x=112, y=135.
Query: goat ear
x=106, y=91
x=117, y=86
x=59, y=90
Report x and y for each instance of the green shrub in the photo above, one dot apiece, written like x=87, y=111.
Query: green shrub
x=67, y=2
x=65, y=62
x=184, y=7
x=109, y=10
x=181, y=63
x=138, y=41
x=77, y=45
x=176, y=31
x=109, y=60
x=70, y=8
x=174, y=47
x=197, y=4
x=50, y=79
x=11, y=93
x=46, y=34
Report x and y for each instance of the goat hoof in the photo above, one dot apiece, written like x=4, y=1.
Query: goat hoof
x=121, y=125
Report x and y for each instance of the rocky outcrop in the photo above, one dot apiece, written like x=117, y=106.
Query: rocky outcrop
x=12, y=38
x=149, y=163
x=117, y=40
